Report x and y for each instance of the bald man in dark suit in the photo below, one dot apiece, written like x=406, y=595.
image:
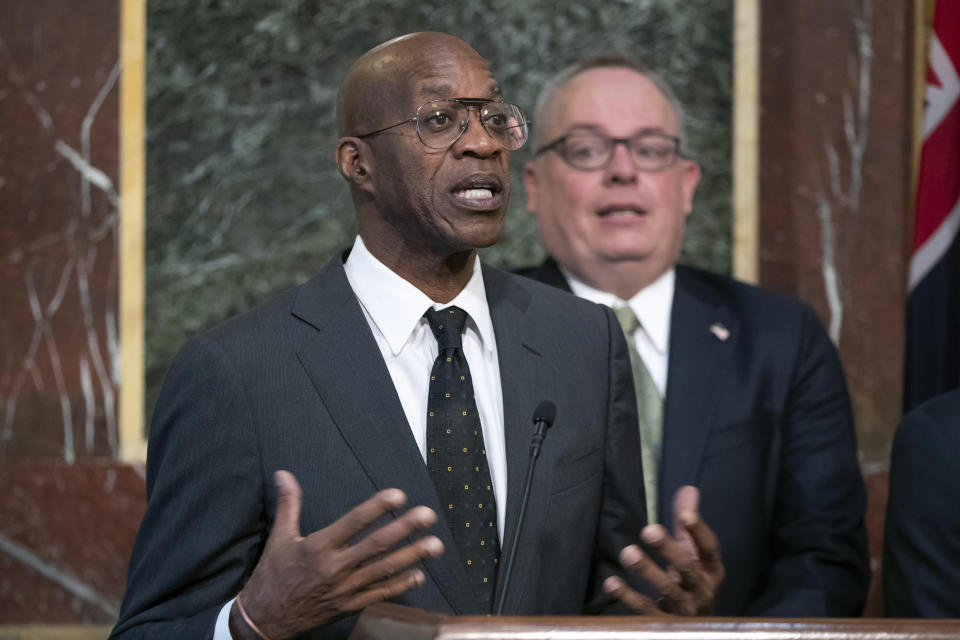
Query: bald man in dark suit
x=274, y=429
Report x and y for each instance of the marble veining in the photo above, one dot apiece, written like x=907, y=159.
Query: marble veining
x=63, y=578
x=85, y=142
x=43, y=332
x=66, y=532
x=90, y=174
x=845, y=193
x=60, y=364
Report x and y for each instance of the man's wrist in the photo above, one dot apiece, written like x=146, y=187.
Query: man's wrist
x=240, y=627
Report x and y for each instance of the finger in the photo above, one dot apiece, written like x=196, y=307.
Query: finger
x=631, y=557
x=386, y=590
x=357, y=519
x=682, y=562
x=631, y=599
x=679, y=556
x=394, y=563
x=289, y=498
x=707, y=544
x=685, y=500
x=389, y=535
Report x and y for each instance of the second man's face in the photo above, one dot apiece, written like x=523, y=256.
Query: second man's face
x=592, y=219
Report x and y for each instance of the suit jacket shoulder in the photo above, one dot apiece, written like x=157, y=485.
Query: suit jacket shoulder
x=921, y=559
x=777, y=336
x=547, y=272
x=753, y=304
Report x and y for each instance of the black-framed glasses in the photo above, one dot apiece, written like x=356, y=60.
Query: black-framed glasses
x=591, y=150
x=440, y=123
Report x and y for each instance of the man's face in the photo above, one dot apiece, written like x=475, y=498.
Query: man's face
x=442, y=200
x=592, y=220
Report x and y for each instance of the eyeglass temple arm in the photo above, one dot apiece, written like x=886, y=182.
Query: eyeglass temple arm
x=393, y=126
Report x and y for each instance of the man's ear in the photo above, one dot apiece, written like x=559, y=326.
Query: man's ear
x=352, y=162
x=688, y=184
x=532, y=186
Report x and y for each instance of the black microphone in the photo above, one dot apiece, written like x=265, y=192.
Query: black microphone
x=543, y=418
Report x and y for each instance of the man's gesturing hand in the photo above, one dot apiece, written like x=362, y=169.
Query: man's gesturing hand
x=695, y=569
x=300, y=583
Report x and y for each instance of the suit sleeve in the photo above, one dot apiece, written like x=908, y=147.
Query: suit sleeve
x=624, y=510
x=204, y=500
x=820, y=565
x=922, y=536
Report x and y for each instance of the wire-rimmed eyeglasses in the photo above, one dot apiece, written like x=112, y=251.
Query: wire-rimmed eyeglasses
x=440, y=123
x=591, y=150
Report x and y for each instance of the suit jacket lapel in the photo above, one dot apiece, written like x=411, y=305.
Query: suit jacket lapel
x=525, y=383
x=697, y=358
x=347, y=369
x=548, y=272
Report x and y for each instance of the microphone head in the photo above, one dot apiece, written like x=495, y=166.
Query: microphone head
x=546, y=412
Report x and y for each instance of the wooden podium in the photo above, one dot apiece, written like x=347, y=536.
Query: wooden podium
x=393, y=622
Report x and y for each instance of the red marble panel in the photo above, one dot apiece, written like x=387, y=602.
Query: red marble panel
x=835, y=91
x=66, y=533
x=59, y=132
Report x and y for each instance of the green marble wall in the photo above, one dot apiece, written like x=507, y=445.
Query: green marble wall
x=243, y=197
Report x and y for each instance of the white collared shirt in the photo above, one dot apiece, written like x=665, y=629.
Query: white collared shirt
x=394, y=309
x=653, y=306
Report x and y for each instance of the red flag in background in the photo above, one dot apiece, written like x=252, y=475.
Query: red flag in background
x=933, y=303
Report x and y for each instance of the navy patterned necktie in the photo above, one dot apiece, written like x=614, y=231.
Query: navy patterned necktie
x=457, y=457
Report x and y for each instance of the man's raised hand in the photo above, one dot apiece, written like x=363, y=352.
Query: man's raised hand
x=302, y=582
x=694, y=566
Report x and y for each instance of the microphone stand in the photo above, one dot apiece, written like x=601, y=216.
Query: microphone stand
x=543, y=418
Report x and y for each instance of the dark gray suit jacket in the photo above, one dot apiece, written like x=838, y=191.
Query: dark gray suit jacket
x=761, y=423
x=921, y=541
x=299, y=384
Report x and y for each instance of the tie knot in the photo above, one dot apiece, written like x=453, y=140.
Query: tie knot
x=447, y=325
x=627, y=319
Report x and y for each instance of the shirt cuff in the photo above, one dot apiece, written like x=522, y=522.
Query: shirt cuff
x=222, y=630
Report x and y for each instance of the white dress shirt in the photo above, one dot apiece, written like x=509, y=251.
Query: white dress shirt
x=653, y=306
x=394, y=309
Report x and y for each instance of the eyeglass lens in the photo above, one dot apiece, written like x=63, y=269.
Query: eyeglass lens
x=441, y=122
x=649, y=151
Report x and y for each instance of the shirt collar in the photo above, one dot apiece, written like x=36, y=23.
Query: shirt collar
x=396, y=307
x=653, y=305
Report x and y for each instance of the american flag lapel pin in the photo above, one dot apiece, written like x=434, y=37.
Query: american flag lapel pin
x=720, y=331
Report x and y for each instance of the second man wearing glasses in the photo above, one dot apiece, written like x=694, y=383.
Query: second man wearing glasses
x=740, y=391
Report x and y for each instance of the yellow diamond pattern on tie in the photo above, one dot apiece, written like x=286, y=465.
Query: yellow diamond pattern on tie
x=457, y=461
x=649, y=410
